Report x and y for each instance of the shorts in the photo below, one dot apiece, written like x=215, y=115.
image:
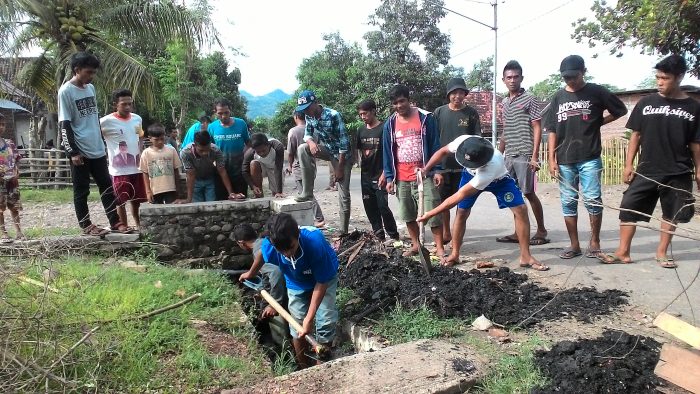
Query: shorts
x=450, y=183
x=520, y=170
x=165, y=198
x=129, y=188
x=587, y=173
x=9, y=195
x=642, y=195
x=407, y=193
x=326, y=316
x=506, y=191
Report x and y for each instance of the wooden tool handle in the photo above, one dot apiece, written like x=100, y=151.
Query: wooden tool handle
x=286, y=316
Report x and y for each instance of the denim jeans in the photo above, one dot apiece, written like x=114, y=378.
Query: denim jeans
x=204, y=190
x=326, y=315
x=587, y=174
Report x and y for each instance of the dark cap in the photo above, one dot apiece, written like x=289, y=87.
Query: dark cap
x=456, y=83
x=571, y=65
x=306, y=98
x=474, y=152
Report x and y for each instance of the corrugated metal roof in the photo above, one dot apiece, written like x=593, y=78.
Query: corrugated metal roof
x=11, y=105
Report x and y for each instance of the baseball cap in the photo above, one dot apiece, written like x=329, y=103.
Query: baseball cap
x=571, y=65
x=306, y=98
x=456, y=83
x=474, y=152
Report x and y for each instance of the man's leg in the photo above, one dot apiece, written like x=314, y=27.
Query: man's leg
x=538, y=212
x=413, y=233
x=80, y=176
x=458, y=228
x=100, y=173
x=344, y=195
x=327, y=316
x=449, y=187
x=664, y=240
x=135, y=204
x=298, y=307
x=307, y=165
x=568, y=196
x=591, y=190
x=522, y=230
x=369, y=200
x=387, y=216
x=431, y=200
x=198, y=194
x=209, y=189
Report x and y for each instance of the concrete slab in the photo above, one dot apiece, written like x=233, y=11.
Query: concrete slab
x=302, y=212
x=425, y=366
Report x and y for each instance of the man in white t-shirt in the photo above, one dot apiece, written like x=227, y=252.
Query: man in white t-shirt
x=485, y=170
x=121, y=130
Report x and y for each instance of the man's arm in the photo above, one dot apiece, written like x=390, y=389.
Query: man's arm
x=695, y=150
x=224, y=179
x=316, y=297
x=536, y=141
x=552, y=155
x=258, y=262
x=632, y=149
x=245, y=170
x=465, y=191
x=149, y=192
x=437, y=158
x=279, y=165
x=191, y=176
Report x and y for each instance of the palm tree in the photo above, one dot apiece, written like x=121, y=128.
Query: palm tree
x=60, y=28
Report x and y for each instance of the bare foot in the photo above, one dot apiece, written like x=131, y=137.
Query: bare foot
x=450, y=260
x=411, y=252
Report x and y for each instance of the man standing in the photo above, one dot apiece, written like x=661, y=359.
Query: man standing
x=325, y=138
x=520, y=144
x=574, y=149
x=82, y=140
x=372, y=180
x=295, y=137
x=666, y=126
x=120, y=130
x=231, y=136
x=201, y=125
x=454, y=119
x=410, y=138
x=264, y=159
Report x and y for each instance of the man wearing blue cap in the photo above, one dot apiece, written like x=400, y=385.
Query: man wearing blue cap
x=485, y=171
x=325, y=138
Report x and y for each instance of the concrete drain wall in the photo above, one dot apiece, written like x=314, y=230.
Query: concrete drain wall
x=201, y=233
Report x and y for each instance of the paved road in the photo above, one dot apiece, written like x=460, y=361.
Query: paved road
x=648, y=284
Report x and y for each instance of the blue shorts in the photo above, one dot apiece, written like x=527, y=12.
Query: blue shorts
x=326, y=315
x=505, y=189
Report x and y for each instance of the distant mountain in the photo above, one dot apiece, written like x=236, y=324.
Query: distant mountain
x=264, y=105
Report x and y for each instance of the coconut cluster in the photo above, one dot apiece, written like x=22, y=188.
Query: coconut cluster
x=72, y=24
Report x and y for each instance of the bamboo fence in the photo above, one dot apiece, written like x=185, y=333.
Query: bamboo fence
x=613, y=156
x=44, y=168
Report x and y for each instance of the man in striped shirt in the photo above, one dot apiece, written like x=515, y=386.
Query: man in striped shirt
x=520, y=144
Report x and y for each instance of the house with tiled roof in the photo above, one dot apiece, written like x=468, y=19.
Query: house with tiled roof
x=482, y=102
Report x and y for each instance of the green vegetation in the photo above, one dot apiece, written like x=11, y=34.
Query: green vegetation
x=41, y=232
x=404, y=325
x=167, y=352
x=58, y=196
x=512, y=372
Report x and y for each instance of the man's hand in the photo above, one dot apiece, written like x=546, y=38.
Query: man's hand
x=245, y=276
x=279, y=195
x=149, y=196
x=628, y=175
x=339, y=172
x=381, y=183
x=438, y=179
x=554, y=169
x=77, y=160
x=423, y=218
x=179, y=201
x=306, y=327
x=257, y=192
x=390, y=187
x=289, y=170
x=268, y=312
x=534, y=163
x=313, y=147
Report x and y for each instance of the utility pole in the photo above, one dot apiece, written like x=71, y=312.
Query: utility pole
x=494, y=108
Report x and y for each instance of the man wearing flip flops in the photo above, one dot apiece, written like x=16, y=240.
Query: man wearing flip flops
x=666, y=126
x=485, y=171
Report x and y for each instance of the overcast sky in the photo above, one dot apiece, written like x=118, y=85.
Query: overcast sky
x=276, y=35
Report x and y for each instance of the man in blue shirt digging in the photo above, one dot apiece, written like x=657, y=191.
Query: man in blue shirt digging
x=310, y=268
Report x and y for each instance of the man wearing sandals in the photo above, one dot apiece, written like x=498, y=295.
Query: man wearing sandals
x=574, y=121
x=82, y=140
x=666, y=126
x=520, y=144
x=485, y=171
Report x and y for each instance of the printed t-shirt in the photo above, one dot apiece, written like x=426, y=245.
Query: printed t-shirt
x=576, y=118
x=9, y=156
x=453, y=124
x=122, y=138
x=667, y=126
x=204, y=166
x=79, y=106
x=409, y=147
x=489, y=172
x=160, y=166
x=369, y=143
x=230, y=139
x=316, y=261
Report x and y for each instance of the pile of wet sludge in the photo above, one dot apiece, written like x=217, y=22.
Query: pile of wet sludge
x=616, y=362
x=505, y=297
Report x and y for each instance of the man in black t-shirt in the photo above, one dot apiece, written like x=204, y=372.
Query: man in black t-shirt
x=374, y=195
x=666, y=126
x=454, y=119
x=574, y=121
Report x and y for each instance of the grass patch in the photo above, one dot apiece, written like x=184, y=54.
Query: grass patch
x=59, y=196
x=41, y=232
x=163, y=353
x=403, y=325
x=343, y=296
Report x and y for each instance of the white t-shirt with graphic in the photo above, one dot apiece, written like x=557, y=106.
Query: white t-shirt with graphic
x=484, y=175
x=122, y=138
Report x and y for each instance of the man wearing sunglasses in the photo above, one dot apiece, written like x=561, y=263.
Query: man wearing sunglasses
x=310, y=268
x=575, y=117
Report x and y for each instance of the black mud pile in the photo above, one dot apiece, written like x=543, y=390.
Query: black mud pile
x=501, y=295
x=616, y=362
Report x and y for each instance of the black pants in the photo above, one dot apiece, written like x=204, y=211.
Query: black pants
x=81, y=190
x=376, y=204
x=234, y=169
x=164, y=198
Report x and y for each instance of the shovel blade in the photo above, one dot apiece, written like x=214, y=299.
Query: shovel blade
x=424, y=257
